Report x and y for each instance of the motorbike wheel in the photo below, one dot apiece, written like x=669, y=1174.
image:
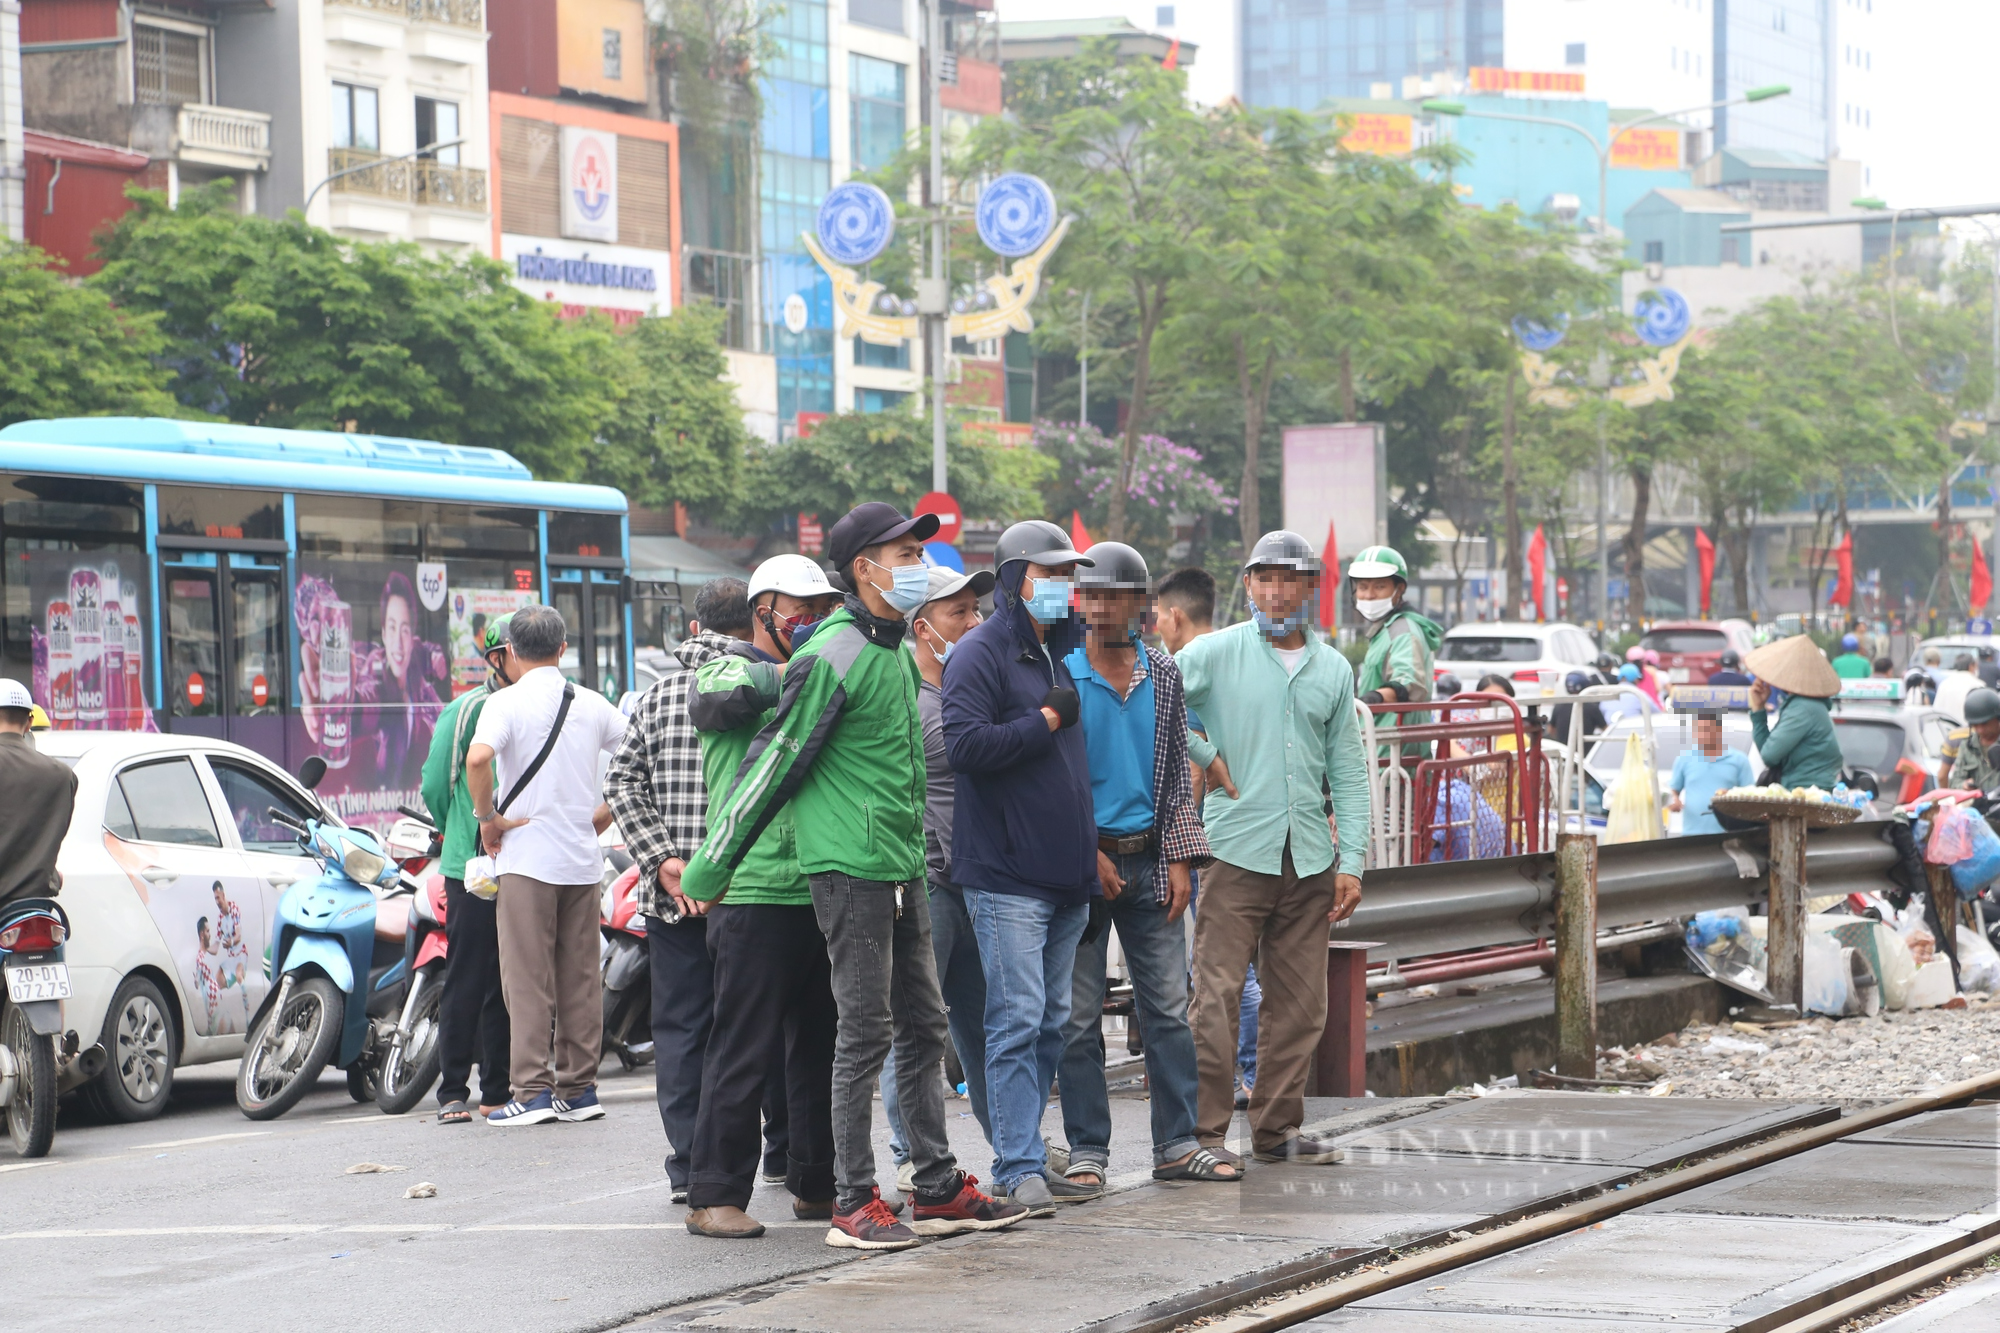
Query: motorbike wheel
x=284, y=1056
x=409, y=1071
x=31, y=1111
x=361, y=1083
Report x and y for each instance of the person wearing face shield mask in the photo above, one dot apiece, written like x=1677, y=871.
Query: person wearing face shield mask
x=1024, y=838
x=1402, y=644
x=845, y=749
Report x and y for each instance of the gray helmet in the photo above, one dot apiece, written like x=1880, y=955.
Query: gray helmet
x=1285, y=549
x=1039, y=542
x=1982, y=705
x=1116, y=566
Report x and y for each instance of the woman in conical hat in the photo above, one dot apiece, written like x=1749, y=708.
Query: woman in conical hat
x=1794, y=675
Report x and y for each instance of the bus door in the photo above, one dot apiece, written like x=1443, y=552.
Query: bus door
x=226, y=671
x=592, y=604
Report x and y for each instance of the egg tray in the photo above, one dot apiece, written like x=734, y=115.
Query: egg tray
x=1817, y=814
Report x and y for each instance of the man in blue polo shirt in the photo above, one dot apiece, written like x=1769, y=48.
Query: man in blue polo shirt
x=1702, y=772
x=1149, y=836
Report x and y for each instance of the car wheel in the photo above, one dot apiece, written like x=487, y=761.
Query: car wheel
x=139, y=1049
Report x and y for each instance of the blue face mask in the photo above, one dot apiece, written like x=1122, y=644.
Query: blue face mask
x=909, y=586
x=1280, y=629
x=1051, y=600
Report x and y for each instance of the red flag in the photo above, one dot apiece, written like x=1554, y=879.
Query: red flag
x=1704, y=551
x=1329, y=579
x=1843, y=564
x=1982, y=578
x=1538, y=568
x=1079, y=535
x=1173, y=60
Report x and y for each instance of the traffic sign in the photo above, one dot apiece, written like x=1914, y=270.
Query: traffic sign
x=197, y=689
x=940, y=556
x=951, y=523
x=812, y=537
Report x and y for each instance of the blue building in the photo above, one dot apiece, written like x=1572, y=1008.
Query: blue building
x=1761, y=42
x=1299, y=53
x=1683, y=228
x=797, y=171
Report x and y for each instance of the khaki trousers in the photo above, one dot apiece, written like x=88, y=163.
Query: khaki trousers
x=1280, y=922
x=549, y=974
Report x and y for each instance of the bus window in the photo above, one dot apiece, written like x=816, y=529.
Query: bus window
x=211, y=511
x=597, y=536
x=194, y=644
x=607, y=630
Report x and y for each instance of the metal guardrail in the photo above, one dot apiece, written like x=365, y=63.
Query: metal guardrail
x=1447, y=906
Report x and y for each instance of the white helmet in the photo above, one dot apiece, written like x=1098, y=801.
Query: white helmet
x=793, y=575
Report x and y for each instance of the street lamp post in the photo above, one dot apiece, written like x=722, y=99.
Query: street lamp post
x=426, y=151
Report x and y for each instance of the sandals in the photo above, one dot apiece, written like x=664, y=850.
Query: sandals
x=454, y=1113
x=1201, y=1164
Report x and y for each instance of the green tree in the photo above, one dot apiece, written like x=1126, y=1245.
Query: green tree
x=673, y=430
x=65, y=351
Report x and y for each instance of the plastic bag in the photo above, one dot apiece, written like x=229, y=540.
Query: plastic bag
x=1951, y=836
x=1635, y=813
x=1978, y=964
x=482, y=879
x=1886, y=953
x=1827, y=976
x=1981, y=865
x=1933, y=985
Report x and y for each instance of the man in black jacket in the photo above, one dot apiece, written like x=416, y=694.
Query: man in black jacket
x=37, y=793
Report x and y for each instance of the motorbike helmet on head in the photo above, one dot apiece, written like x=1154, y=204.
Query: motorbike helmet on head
x=1379, y=562
x=1731, y=660
x=1849, y=642
x=1982, y=705
x=797, y=576
x=1285, y=550
x=1039, y=542
x=1116, y=566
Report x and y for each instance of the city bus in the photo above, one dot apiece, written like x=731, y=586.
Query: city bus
x=296, y=592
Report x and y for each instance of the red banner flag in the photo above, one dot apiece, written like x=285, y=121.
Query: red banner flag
x=1704, y=551
x=1982, y=577
x=1329, y=579
x=1843, y=564
x=1538, y=569
x=1079, y=535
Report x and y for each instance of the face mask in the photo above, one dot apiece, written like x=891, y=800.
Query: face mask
x=1051, y=600
x=1375, y=607
x=942, y=657
x=909, y=586
x=1279, y=629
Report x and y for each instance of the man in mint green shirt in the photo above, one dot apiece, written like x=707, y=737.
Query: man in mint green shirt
x=1279, y=707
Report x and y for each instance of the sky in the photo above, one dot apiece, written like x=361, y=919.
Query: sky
x=1940, y=102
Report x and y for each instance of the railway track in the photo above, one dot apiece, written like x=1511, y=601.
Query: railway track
x=1821, y=1311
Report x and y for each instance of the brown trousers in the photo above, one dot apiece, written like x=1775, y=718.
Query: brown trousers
x=549, y=973
x=1280, y=922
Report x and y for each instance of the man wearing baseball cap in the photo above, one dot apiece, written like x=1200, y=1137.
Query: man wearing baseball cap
x=37, y=793
x=846, y=750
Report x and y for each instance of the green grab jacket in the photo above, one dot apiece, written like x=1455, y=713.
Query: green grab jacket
x=729, y=705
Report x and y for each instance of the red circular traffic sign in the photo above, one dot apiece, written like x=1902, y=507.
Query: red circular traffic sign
x=951, y=522
x=197, y=690
x=260, y=691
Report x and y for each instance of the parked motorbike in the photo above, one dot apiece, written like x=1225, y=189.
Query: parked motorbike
x=339, y=969
x=32, y=931
x=414, y=1056
x=627, y=971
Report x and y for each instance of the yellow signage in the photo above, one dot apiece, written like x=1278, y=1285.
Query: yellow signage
x=1382, y=135
x=1647, y=150
x=1489, y=79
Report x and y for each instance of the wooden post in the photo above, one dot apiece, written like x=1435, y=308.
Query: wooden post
x=1785, y=935
x=1576, y=955
x=1343, y=1045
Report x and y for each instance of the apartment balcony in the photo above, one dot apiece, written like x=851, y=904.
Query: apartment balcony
x=453, y=31
x=440, y=185
x=222, y=137
x=397, y=197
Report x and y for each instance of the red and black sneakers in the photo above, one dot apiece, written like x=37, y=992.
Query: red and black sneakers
x=870, y=1227
x=966, y=1210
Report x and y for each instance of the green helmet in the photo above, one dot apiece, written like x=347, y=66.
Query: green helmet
x=1379, y=562
x=1981, y=706
x=496, y=633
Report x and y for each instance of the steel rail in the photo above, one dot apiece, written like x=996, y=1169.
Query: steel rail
x=1870, y=1299
x=1310, y=1304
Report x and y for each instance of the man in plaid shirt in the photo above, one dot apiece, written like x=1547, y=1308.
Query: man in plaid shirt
x=654, y=787
x=1149, y=837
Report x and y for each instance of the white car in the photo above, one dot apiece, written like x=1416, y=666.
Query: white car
x=172, y=870
x=1519, y=650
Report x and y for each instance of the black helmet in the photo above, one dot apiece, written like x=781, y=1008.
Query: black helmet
x=1039, y=542
x=1286, y=550
x=1982, y=705
x=1116, y=566
x=1730, y=660
x=1607, y=665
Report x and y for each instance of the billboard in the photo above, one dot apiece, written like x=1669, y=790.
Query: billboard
x=1647, y=150
x=589, y=186
x=1489, y=79
x=1336, y=476
x=1382, y=135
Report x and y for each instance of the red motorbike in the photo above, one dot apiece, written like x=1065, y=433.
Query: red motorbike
x=628, y=988
x=414, y=1056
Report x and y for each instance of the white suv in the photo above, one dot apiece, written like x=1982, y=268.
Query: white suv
x=171, y=871
x=1517, y=649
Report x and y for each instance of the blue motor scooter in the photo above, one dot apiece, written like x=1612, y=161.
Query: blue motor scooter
x=32, y=931
x=326, y=973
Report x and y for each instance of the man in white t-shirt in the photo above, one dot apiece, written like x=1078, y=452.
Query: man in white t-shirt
x=548, y=866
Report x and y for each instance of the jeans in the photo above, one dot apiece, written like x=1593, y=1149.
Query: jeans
x=1153, y=951
x=1027, y=947
x=963, y=980
x=1246, y=1030
x=886, y=992
x=472, y=1016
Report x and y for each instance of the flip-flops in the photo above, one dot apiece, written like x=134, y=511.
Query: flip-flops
x=1201, y=1164
x=454, y=1113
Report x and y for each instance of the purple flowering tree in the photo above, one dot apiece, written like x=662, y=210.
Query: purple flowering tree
x=1167, y=482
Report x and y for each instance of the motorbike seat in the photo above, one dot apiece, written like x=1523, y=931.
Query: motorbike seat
x=392, y=920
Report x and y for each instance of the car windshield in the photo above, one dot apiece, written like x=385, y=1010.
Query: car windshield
x=1489, y=648
x=1875, y=746
x=1685, y=641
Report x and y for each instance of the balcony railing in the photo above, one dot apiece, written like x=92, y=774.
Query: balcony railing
x=457, y=13
x=422, y=182
x=224, y=136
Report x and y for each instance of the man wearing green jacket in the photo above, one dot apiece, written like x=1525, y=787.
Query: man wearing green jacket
x=773, y=991
x=1402, y=643
x=472, y=1015
x=846, y=751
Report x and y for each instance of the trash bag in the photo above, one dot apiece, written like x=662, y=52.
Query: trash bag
x=1887, y=956
x=1828, y=976
x=1981, y=865
x=1907, y=874
x=1864, y=993
x=1951, y=835
x=1978, y=964
x=1635, y=814
x=1933, y=985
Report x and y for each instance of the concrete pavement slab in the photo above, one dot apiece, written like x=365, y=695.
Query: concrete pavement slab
x=1855, y=1182
x=1971, y=1307
x=1963, y=1127
x=1355, y=1319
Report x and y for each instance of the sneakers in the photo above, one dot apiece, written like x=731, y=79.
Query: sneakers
x=870, y=1227
x=540, y=1110
x=724, y=1223
x=583, y=1106
x=808, y=1210
x=967, y=1209
x=1302, y=1148
x=906, y=1177
x=1032, y=1193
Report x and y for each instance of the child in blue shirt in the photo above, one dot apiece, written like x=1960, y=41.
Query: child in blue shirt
x=1702, y=772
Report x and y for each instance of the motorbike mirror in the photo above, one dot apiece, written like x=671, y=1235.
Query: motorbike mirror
x=312, y=772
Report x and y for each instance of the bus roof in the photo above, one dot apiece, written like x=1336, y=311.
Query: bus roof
x=194, y=452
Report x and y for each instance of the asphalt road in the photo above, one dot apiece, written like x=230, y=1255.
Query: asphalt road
x=204, y=1219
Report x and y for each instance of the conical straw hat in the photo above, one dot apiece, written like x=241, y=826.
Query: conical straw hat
x=1795, y=665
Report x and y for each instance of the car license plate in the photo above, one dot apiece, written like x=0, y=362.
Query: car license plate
x=38, y=981
x=1680, y=675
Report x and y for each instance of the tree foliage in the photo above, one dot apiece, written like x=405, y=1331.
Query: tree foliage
x=65, y=351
